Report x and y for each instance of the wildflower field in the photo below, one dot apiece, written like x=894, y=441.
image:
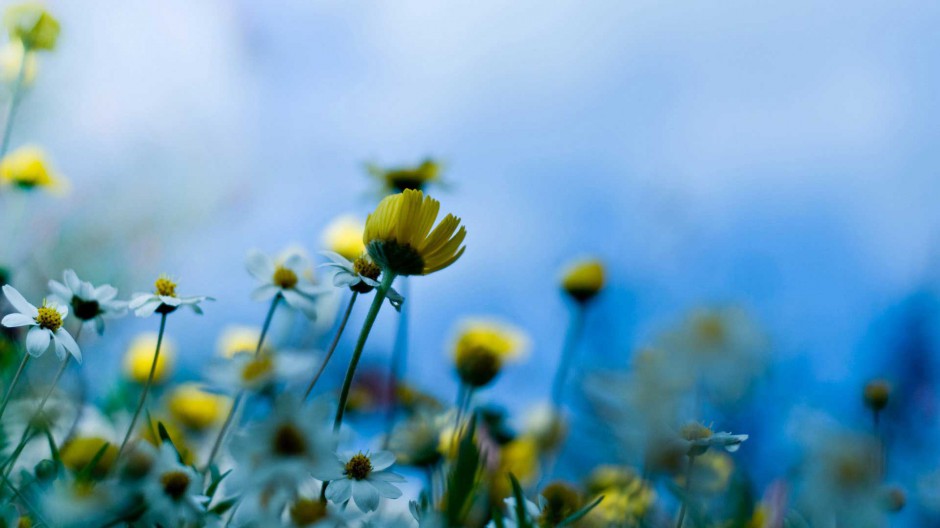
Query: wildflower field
x=396, y=343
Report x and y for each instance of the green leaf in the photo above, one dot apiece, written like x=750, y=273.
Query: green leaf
x=497, y=516
x=165, y=438
x=87, y=471
x=224, y=506
x=216, y=480
x=522, y=518
x=576, y=516
x=463, y=478
x=56, y=457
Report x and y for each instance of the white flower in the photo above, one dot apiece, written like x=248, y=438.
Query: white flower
x=90, y=304
x=286, y=277
x=246, y=371
x=172, y=491
x=363, y=477
x=731, y=442
x=359, y=275
x=71, y=503
x=532, y=512
x=46, y=322
x=283, y=450
x=163, y=300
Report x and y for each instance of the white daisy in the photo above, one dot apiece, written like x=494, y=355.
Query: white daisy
x=90, y=304
x=172, y=491
x=286, y=277
x=283, y=450
x=730, y=442
x=246, y=371
x=363, y=477
x=163, y=300
x=359, y=275
x=46, y=322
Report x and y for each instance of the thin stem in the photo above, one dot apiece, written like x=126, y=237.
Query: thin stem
x=14, y=102
x=241, y=393
x=398, y=364
x=16, y=379
x=429, y=475
x=143, y=395
x=572, y=336
x=464, y=397
x=380, y=293
x=688, y=490
x=329, y=353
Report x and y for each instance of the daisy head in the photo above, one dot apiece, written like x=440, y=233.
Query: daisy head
x=164, y=299
x=288, y=277
x=172, y=491
x=481, y=348
x=45, y=324
x=92, y=305
x=415, y=177
x=583, y=279
x=363, y=477
x=399, y=238
x=359, y=275
x=29, y=168
x=33, y=25
x=344, y=236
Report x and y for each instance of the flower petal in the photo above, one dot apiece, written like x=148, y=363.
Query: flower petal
x=18, y=302
x=17, y=319
x=339, y=491
x=385, y=489
x=365, y=495
x=139, y=299
x=300, y=302
x=381, y=460
x=37, y=340
x=62, y=336
x=72, y=280
x=147, y=309
x=60, y=291
x=264, y=292
x=259, y=265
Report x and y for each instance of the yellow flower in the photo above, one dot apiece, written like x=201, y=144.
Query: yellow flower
x=30, y=23
x=621, y=504
x=151, y=434
x=481, y=348
x=711, y=473
x=239, y=340
x=195, y=408
x=405, y=178
x=139, y=357
x=78, y=452
x=519, y=457
x=11, y=58
x=398, y=235
x=583, y=279
x=344, y=236
x=27, y=168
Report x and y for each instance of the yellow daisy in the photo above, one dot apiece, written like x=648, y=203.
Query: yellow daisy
x=481, y=348
x=398, y=179
x=583, y=279
x=399, y=238
x=27, y=168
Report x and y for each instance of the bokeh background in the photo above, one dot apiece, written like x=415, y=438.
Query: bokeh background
x=778, y=156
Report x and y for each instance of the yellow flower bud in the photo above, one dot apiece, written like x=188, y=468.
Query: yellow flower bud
x=139, y=358
x=30, y=23
x=583, y=279
x=27, y=168
x=876, y=394
x=344, y=236
x=482, y=346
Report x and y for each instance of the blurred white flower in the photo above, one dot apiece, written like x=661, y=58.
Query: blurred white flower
x=531, y=509
x=90, y=304
x=46, y=322
x=164, y=299
x=246, y=371
x=359, y=275
x=285, y=277
x=363, y=477
x=172, y=491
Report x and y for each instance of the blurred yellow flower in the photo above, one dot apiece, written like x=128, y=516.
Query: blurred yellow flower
x=195, y=408
x=398, y=235
x=481, y=348
x=519, y=457
x=28, y=167
x=11, y=59
x=78, y=452
x=405, y=178
x=583, y=279
x=139, y=357
x=344, y=236
x=237, y=339
x=622, y=504
x=711, y=473
x=30, y=23
x=151, y=434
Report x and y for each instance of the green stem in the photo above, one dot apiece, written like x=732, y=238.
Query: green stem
x=380, y=293
x=241, y=393
x=398, y=364
x=143, y=395
x=16, y=379
x=688, y=490
x=329, y=353
x=572, y=336
x=14, y=103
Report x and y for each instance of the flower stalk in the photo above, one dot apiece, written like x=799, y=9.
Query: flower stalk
x=146, y=391
x=329, y=352
x=15, y=96
x=13, y=383
x=572, y=336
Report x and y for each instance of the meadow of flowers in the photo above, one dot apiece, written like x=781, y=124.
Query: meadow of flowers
x=262, y=438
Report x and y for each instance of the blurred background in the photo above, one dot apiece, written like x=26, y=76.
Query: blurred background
x=779, y=157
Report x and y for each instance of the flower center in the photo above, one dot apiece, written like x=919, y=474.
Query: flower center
x=711, y=329
x=85, y=310
x=165, y=287
x=175, y=484
x=305, y=512
x=358, y=467
x=288, y=441
x=284, y=278
x=257, y=368
x=401, y=259
x=365, y=267
x=696, y=431
x=477, y=365
x=49, y=318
